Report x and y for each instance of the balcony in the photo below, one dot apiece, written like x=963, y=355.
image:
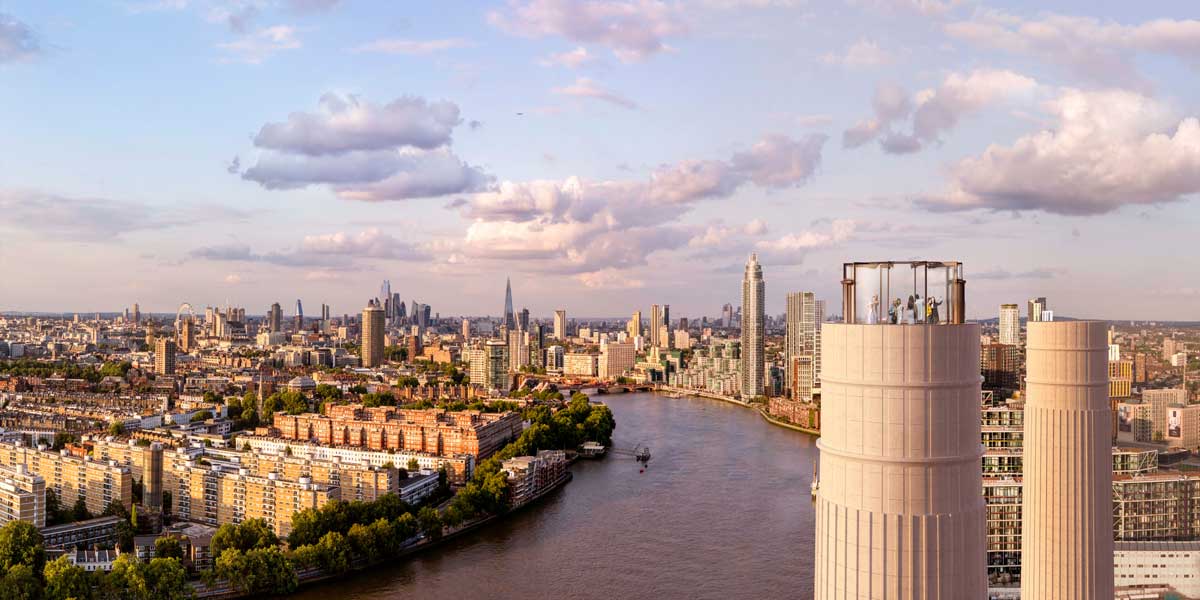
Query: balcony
x=903, y=293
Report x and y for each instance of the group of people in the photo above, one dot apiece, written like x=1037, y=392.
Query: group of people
x=917, y=310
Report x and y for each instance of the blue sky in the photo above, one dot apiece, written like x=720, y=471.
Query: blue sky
x=605, y=155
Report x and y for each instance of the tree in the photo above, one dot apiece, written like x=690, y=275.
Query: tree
x=203, y=415
x=413, y=465
x=334, y=553
x=430, y=521
x=20, y=583
x=327, y=392
x=116, y=428
x=21, y=544
x=248, y=535
x=168, y=547
x=54, y=514
x=65, y=580
x=166, y=579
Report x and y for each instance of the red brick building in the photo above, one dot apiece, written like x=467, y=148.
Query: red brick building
x=434, y=430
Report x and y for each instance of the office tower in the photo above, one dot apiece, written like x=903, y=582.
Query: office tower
x=666, y=321
x=1010, y=324
x=385, y=292
x=1037, y=306
x=372, y=334
x=415, y=347
x=727, y=315
x=635, y=324
x=683, y=323
x=466, y=329
x=754, y=310
x=187, y=335
x=164, y=356
x=900, y=513
x=401, y=313
x=1067, y=518
x=137, y=314
x=560, y=324
x=537, y=342
x=1000, y=365
x=299, y=316
x=325, y=312
x=510, y=320
x=615, y=359
x=523, y=320
x=803, y=341
x=275, y=318
x=655, y=325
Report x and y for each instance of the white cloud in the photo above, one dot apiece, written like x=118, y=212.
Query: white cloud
x=586, y=88
x=813, y=121
x=366, y=151
x=1107, y=149
x=933, y=111
x=862, y=54
x=17, y=40
x=347, y=123
x=633, y=29
x=412, y=47
x=334, y=250
x=1097, y=50
x=839, y=231
x=233, y=279
x=256, y=47
x=571, y=59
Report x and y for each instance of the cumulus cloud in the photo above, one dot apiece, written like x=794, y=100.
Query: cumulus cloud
x=366, y=151
x=1101, y=51
x=862, y=54
x=632, y=29
x=1107, y=149
x=254, y=48
x=609, y=279
x=346, y=123
x=576, y=226
x=839, y=231
x=572, y=59
x=339, y=250
x=934, y=111
x=412, y=47
x=586, y=88
x=17, y=40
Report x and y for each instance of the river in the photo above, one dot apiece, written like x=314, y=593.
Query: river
x=723, y=511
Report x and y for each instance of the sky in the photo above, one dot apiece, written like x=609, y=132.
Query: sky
x=605, y=155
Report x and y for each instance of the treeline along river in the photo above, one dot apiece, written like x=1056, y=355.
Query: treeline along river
x=723, y=511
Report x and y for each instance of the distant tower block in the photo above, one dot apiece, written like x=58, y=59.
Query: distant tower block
x=1067, y=523
x=900, y=508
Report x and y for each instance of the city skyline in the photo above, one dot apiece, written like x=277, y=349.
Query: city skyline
x=277, y=149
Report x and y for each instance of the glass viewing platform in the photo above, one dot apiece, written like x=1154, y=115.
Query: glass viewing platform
x=903, y=292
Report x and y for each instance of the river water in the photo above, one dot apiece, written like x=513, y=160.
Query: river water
x=723, y=511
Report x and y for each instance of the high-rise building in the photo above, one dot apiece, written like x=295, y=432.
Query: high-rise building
x=299, y=315
x=466, y=329
x=385, y=292
x=1067, y=513
x=1010, y=324
x=22, y=496
x=666, y=321
x=137, y=314
x=488, y=365
x=1037, y=306
x=1000, y=366
x=655, y=325
x=510, y=319
x=275, y=318
x=615, y=359
x=401, y=312
x=727, y=315
x=635, y=324
x=372, y=334
x=523, y=320
x=753, y=314
x=164, y=356
x=560, y=324
x=518, y=349
x=900, y=513
x=803, y=339
x=537, y=343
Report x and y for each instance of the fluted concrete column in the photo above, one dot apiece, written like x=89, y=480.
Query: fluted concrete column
x=1067, y=520
x=900, y=509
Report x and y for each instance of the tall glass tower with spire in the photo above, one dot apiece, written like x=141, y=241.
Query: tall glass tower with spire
x=753, y=311
x=510, y=319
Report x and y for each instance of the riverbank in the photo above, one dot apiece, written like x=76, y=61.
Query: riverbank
x=761, y=411
x=314, y=577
